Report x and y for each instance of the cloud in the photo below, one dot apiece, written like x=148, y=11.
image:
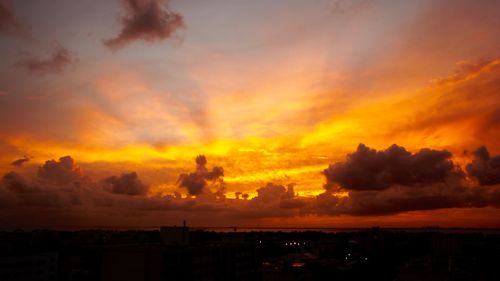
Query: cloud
x=467, y=101
x=197, y=182
x=9, y=24
x=485, y=168
x=271, y=192
x=29, y=194
x=56, y=63
x=54, y=198
x=57, y=184
x=16, y=183
x=57, y=203
x=273, y=200
x=394, y=180
x=465, y=70
x=284, y=197
x=19, y=162
x=146, y=20
x=397, y=199
x=369, y=169
x=242, y=195
x=126, y=183
x=63, y=171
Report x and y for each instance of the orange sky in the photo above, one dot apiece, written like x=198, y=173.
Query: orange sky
x=271, y=92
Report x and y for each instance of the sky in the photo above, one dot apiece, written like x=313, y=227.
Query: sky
x=283, y=113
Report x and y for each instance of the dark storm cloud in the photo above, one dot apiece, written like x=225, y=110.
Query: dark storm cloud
x=9, y=24
x=196, y=182
x=383, y=182
x=51, y=189
x=277, y=196
x=19, y=162
x=369, y=169
x=16, y=183
x=240, y=195
x=126, y=183
x=57, y=184
x=484, y=167
x=52, y=198
x=28, y=194
x=43, y=201
x=272, y=200
x=147, y=20
x=193, y=182
x=272, y=192
x=63, y=171
x=55, y=63
x=399, y=199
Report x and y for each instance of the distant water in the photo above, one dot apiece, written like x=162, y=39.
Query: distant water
x=268, y=229
x=340, y=230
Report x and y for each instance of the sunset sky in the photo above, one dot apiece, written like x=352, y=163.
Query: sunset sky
x=297, y=113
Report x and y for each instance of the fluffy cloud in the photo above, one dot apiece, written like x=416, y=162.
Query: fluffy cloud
x=52, y=191
x=397, y=199
x=29, y=194
x=126, y=183
x=16, y=183
x=369, y=169
x=55, y=63
x=279, y=195
x=272, y=200
x=484, y=167
x=145, y=20
x=272, y=193
x=63, y=171
x=197, y=181
x=395, y=180
x=58, y=184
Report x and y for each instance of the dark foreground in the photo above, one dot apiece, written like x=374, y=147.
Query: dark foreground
x=175, y=253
